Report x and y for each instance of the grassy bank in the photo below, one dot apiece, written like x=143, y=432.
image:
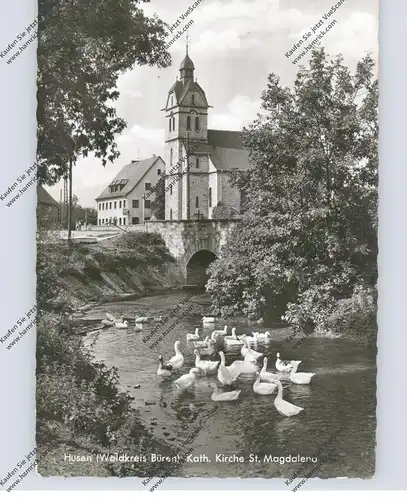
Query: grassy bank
x=80, y=410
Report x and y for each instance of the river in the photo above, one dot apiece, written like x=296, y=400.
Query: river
x=341, y=399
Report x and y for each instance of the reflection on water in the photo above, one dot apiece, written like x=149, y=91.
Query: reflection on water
x=343, y=391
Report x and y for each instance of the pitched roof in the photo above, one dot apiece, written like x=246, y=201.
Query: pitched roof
x=226, y=150
x=191, y=86
x=132, y=173
x=44, y=198
x=186, y=63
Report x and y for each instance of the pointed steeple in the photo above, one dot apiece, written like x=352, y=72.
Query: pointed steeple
x=187, y=67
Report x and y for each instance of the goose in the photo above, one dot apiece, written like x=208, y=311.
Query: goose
x=202, y=343
x=232, y=339
x=164, y=371
x=260, y=321
x=221, y=332
x=208, y=319
x=266, y=376
x=122, y=326
x=138, y=327
x=177, y=361
x=246, y=367
x=263, y=388
x=142, y=319
x=205, y=366
x=264, y=337
x=158, y=319
x=299, y=378
x=248, y=353
x=282, y=366
x=284, y=407
x=108, y=322
x=227, y=375
x=224, y=396
x=207, y=351
x=193, y=336
x=110, y=317
x=188, y=380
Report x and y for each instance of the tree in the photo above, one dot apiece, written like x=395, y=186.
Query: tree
x=309, y=236
x=158, y=203
x=84, y=45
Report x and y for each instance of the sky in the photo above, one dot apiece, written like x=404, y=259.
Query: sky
x=235, y=45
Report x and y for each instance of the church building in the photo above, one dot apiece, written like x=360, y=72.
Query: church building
x=198, y=160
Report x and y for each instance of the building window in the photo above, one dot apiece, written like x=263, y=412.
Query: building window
x=100, y=207
x=170, y=189
x=120, y=221
x=173, y=123
x=170, y=121
x=135, y=220
x=135, y=204
x=197, y=202
x=158, y=171
x=197, y=123
x=170, y=213
x=115, y=204
x=193, y=99
x=188, y=123
x=124, y=204
x=148, y=186
x=110, y=205
x=197, y=163
x=100, y=222
x=103, y=206
x=103, y=221
x=146, y=219
x=210, y=197
x=120, y=204
x=124, y=221
x=147, y=203
x=171, y=156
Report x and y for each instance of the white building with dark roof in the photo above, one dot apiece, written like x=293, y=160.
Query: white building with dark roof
x=125, y=200
x=198, y=160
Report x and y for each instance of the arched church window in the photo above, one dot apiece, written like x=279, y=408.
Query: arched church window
x=197, y=163
x=210, y=197
x=188, y=123
x=193, y=99
x=171, y=156
x=173, y=123
x=197, y=202
x=170, y=121
x=197, y=123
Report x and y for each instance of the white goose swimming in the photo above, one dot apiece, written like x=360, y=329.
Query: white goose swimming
x=108, y=322
x=262, y=337
x=207, y=351
x=164, y=371
x=188, y=380
x=193, y=336
x=247, y=367
x=142, y=319
x=232, y=340
x=224, y=396
x=227, y=375
x=138, y=327
x=177, y=361
x=266, y=376
x=263, y=388
x=299, y=378
x=205, y=366
x=110, y=317
x=282, y=366
x=202, y=343
x=220, y=332
x=122, y=326
x=208, y=319
x=248, y=353
x=284, y=407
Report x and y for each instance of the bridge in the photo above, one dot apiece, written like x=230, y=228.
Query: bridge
x=193, y=243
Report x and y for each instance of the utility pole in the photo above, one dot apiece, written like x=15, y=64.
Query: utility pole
x=70, y=199
x=187, y=179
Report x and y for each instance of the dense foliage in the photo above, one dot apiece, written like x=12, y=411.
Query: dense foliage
x=83, y=47
x=308, y=239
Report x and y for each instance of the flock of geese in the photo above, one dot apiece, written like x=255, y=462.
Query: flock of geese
x=265, y=384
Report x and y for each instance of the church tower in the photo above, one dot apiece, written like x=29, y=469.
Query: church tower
x=186, y=156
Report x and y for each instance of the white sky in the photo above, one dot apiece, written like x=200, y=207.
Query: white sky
x=234, y=44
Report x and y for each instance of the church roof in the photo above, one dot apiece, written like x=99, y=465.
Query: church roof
x=226, y=150
x=187, y=63
x=191, y=87
x=44, y=198
x=130, y=175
